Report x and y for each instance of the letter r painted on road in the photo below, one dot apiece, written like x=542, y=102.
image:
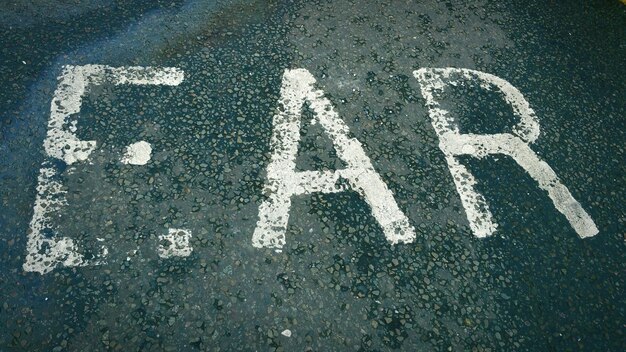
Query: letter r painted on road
x=283, y=182
x=516, y=145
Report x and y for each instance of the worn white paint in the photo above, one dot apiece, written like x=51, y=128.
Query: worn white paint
x=47, y=249
x=176, y=243
x=516, y=145
x=283, y=181
x=61, y=141
x=138, y=153
x=50, y=197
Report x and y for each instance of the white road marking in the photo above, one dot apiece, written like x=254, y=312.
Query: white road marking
x=283, y=181
x=515, y=145
x=138, y=153
x=46, y=249
x=61, y=142
x=177, y=244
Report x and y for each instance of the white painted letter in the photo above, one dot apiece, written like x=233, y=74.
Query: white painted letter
x=46, y=249
x=515, y=145
x=283, y=181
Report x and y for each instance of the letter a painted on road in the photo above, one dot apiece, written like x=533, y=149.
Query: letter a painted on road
x=283, y=182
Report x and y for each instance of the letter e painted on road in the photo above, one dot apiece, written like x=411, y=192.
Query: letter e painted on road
x=46, y=248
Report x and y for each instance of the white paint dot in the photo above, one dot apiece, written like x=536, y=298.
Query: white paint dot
x=286, y=333
x=175, y=243
x=137, y=153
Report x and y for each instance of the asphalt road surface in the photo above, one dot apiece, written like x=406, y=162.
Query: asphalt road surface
x=312, y=175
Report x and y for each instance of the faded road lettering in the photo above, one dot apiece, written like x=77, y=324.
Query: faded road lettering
x=516, y=145
x=47, y=249
x=283, y=181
